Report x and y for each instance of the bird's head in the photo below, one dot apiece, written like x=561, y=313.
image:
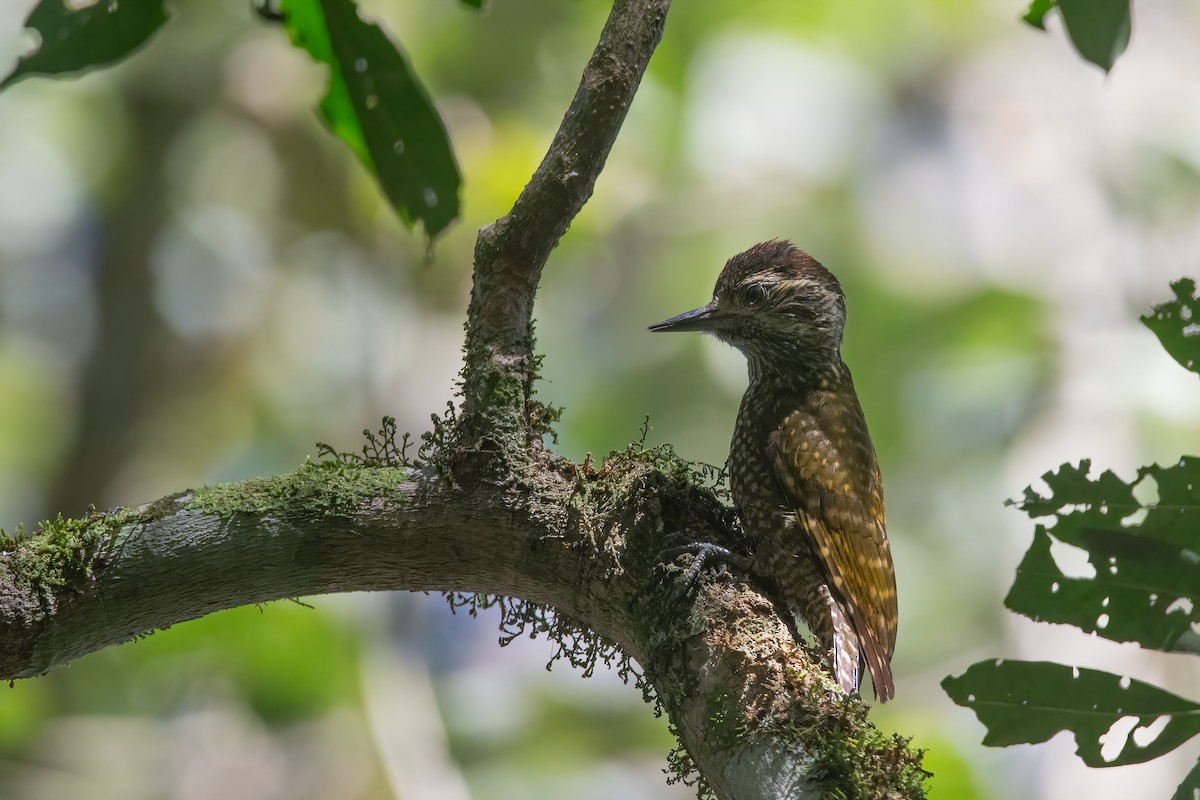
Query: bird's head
x=777, y=305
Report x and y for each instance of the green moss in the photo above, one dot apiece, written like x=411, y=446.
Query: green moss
x=60, y=553
x=681, y=768
x=722, y=713
x=856, y=757
x=678, y=472
x=506, y=390
x=328, y=488
x=381, y=448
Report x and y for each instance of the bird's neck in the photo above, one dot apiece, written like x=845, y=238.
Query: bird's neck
x=799, y=370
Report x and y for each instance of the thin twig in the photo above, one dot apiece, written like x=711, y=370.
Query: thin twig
x=511, y=253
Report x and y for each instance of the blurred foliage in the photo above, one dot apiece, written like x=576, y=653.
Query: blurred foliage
x=80, y=38
x=248, y=654
x=1036, y=15
x=1141, y=584
x=1099, y=29
x=374, y=102
x=254, y=649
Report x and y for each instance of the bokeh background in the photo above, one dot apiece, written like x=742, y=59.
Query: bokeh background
x=197, y=282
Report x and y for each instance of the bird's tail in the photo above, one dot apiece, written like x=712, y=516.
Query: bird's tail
x=852, y=647
x=843, y=637
x=845, y=658
x=833, y=629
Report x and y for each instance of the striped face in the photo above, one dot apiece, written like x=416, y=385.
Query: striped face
x=780, y=307
x=777, y=305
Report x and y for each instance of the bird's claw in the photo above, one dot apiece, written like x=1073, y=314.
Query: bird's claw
x=701, y=553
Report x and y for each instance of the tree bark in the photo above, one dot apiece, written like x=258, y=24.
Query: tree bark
x=569, y=550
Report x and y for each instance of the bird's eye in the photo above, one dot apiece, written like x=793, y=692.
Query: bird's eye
x=755, y=293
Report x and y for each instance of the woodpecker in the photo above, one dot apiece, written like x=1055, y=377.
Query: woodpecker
x=802, y=468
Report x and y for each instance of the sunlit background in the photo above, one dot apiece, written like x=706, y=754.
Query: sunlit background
x=197, y=282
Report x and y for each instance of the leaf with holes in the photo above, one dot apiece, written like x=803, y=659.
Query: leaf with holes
x=74, y=39
x=1142, y=590
x=375, y=104
x=1144, y=557
x=1099, y=29
x=1081, y=503
x=1177, y=324
x=1115, y=720
x=1072, y=489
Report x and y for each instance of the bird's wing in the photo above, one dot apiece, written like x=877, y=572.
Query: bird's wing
x=837, y=495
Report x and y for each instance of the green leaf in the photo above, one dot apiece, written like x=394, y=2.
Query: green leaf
x=1107, y=503
x=1024, y=702
x=1099, y=29
x=375, y=104
x=473, y=3
x=1036, y=15
x=1190, y=788
x=1177, y=324
x=1144, y=556
x=1143, y=591
x=82, y=38
x=1072, y=490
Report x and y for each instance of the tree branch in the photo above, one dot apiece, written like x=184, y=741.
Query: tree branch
x=492, y=513
x=758, y=717
x=511, y=253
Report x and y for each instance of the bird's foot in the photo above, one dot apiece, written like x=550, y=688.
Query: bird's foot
x=703, y=552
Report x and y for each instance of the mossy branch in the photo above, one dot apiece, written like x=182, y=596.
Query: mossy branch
x=757, y=716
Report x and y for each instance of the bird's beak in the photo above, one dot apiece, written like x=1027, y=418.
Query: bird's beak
x=700, y=319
